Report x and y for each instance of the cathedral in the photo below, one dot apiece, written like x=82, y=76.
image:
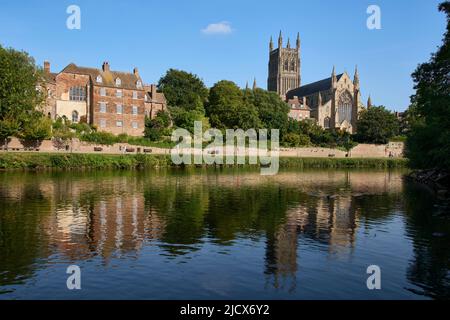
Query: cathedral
x=334, y=102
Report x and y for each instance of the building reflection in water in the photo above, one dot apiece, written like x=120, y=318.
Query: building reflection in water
x=114, y=216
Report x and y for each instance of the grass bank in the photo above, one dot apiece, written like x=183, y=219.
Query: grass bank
x=40, y=161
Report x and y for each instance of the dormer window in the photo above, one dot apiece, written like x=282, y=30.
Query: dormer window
x=99, y=79
x=118, y=82
x=139, y=84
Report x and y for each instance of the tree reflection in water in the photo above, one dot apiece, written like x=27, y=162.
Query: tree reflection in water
x=108, y=216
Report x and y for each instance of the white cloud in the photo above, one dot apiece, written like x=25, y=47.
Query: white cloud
x=223, y=27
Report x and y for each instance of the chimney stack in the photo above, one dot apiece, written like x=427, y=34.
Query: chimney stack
x=105, y=66
x=47, y=67
x=154, y=89
x=136, y=72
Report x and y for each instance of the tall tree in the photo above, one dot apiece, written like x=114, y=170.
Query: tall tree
x=228, y=110
x=377, y=125
x=19, y=93
x=272, y=110
x=428, y=144
x=183, y=90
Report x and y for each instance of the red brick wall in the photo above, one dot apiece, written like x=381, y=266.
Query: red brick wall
x=111, y=116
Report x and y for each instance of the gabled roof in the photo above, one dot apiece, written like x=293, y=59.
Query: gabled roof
x=128, y=79
x=312, y=88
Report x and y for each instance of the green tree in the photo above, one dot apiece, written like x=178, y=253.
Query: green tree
x=296, y=140
x=377, y=125
x=36, y=127
x=156, y=128
x=428, y=143
x=19, y=80
x=227, y=108
x=183, y=90
x=272, y=110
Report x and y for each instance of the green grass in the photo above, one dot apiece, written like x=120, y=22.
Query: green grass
x=38, y=161
x=381, y=163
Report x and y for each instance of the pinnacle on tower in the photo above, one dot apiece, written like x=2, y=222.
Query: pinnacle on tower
x=369, y=102
x=271, y=44
x=289, y=43
x=254, y=84
x=333, y=77
x=246, y=86
x=298, y=40
x=280, y=40
x=356, y=78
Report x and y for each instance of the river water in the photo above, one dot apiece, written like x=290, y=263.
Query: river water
x=221, y=234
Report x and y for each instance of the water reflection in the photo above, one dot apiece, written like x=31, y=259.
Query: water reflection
x=284, y=225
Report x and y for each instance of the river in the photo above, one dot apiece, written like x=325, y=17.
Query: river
x=221, y=234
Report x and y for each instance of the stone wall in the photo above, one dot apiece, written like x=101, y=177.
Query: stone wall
x=393, y=149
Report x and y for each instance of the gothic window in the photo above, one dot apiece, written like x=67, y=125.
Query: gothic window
x=293, y=65
x=77, y=94
x=286, y=65
x=326, y=123
x=345, y=104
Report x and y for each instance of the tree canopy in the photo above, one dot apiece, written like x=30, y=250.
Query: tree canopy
x=377, y=125
x=227, y=108
x=428, y=142
x=19, y=94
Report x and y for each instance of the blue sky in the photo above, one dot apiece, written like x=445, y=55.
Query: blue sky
x=158, y=35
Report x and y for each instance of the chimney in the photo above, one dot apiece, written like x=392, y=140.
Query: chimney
x=105, y=66
x=153, y=86
x=136, y=72
x=47, y=67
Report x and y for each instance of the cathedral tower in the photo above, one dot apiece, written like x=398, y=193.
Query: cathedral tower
x=284, y=67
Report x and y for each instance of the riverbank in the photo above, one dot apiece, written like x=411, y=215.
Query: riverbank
x=67, y=161
x=437, y=179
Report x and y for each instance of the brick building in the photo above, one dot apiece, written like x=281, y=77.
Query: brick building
x=113, y=101
x=299, y=110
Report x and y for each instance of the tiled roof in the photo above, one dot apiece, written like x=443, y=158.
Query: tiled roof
x=129, y=80
x=50, y=76
x=311, y=88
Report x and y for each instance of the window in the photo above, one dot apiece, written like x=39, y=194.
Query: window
x=103, y=92
x=119, y=109
x=102, y=107
x=139, y=84
x=75, y=116
x=119, y=123
x=99, y=79
x=134, y=124
x=135, y=95
x=77, y=94
x=118, y=82
x=102, y=123
x=326, y=123
x=119, y=94
x=135, y=110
